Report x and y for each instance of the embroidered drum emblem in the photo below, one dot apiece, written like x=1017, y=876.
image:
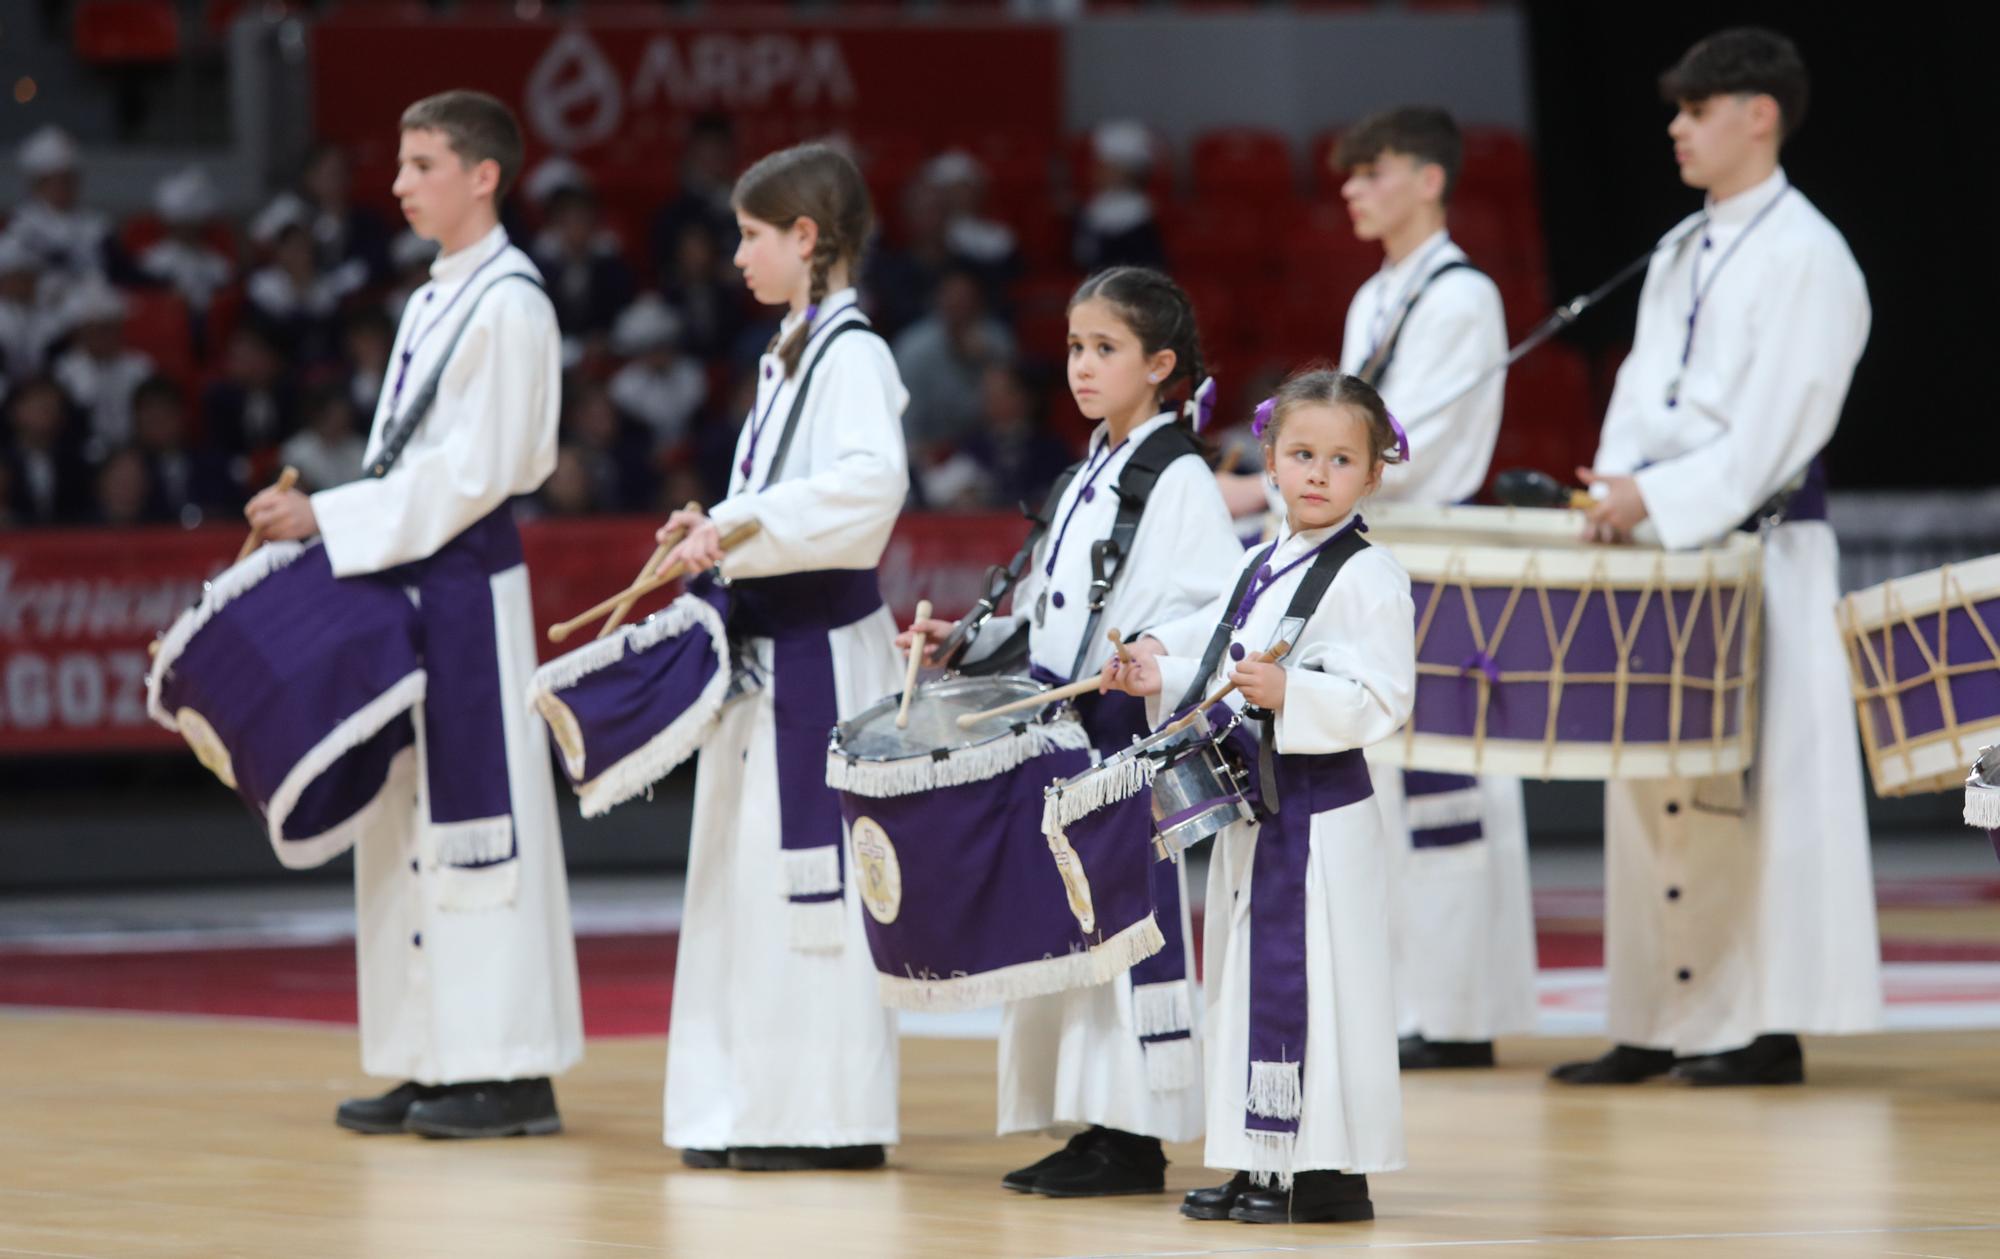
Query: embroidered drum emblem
x=1070, y=866
x=207, y=745
x=566, y=731
x=881, y=873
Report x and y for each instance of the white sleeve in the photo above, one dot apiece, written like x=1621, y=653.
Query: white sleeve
x=501, y=394
x=1353, y=679
x=1461, y=322
x=1777, y=415
x=1621, y=447
x=840, y=514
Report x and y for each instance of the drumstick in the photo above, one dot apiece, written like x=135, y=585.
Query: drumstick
x=1086, y=687
x=1232, y=458
x=640, y=589
x=659, y=553
x=1275, y=654
x=916, y=661
x=1118, y=645
x=286, y=480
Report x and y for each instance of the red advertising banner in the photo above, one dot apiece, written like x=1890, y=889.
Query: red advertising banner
x=77, y=607
x=617, y=91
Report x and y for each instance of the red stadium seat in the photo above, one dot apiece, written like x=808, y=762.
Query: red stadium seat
x=1322, y=180
x=1549, y=422
x=112, y=32
x=1223, y=239
x=1241, y=164
x=157, y=325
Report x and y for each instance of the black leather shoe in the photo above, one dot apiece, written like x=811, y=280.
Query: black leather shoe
x=1314, y=1198
x=705, y=1160
x=807, y=1158
x=1624, y=1064
x=1022, y=1179
x=1776, y=1059
x=1418, y=1054
x=1111, y=1164
x=378, y=1115
x=488, y=1108
x=1215, y=1203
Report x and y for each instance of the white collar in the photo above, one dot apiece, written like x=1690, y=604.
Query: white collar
x=1746, y=205
x=1291, y=544
x=1416, y=260
x=1102, y=433
x=451, y=267
x=829, y=306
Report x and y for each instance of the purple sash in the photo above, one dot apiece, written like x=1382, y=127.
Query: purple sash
x=1443, y=810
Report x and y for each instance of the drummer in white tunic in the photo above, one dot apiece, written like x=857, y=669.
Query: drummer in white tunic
x=1426, y=327
x=780, y=1054
x=1740, y=913
x=467, y=966
x=1303, y=1094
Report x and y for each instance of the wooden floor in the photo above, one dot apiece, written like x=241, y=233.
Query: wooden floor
x=147, y=1136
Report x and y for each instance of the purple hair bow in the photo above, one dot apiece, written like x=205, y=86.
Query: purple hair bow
x=1262, y=419
x=1402, y=438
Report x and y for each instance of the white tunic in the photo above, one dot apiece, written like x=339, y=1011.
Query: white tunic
x=1073, y=1059
x=1351, y=679
x=103, y=389
x=771, y=1044
x=194, y=270
x=1721, y=927
x=1464, y=920
x=451, y=994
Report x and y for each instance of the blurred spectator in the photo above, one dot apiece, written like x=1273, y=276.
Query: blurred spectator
x=589, y=280
x=942, y=357
x=48, y=481
x=899, y=280
x=73, y=243
x=328, y=451
x=369, y=340
x=708, y=176
x=1012, y=446
x=184, y=260
x=616, y=452
x=124, y=491
x=410, y=257
x=99, y=372
x=351, y=241
x=26, y=324
x=1116, y=226
x=7, y=518
x=701, y=284
x=253, y=407
x=187, y=485
x=658, y=387
x=985, y=245
x=290, y=293
x=567, y=492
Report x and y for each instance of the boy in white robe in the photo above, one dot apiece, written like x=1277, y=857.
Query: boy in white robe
x=467, y=966
x=1421, y=330
x=1740, y=912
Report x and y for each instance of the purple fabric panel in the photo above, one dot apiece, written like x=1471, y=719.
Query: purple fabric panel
x=980, y=891
x=623, y=706
x=1975, y=696
x=1113, y=719
x=1447, y=836
x=273, y=682
x=1808, y=504
x=1307, y=786
x=1418, y=783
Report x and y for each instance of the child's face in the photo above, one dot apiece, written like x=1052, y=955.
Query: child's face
x=439, y=190
x=1715, y=137
x=1321, y=459
x=776, y=262
x=1384, y=193
x=1109, y=370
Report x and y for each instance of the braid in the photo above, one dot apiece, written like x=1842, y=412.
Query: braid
x=826, y=251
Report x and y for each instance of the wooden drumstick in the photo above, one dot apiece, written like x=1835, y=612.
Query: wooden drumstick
x=916, y=662
x=1232, y=458
x=1086, y=687
x=1276, y=653
x=286, y=480
x=1118, y=645
x=640, y=589
x=659, y=553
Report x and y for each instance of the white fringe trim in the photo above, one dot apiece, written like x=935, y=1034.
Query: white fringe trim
x=1116, y=780
x=1161, y=1008
x=1446, y=808
x=360, y=726
x=1982, y=806
x=218, y=594
x=486, y=887
x=478, y=842
x=811, y=871
x=1274, y=1090
x=913, y=775
x=1099, y=964
x=1271, y=1158
x=319, y=851
x=664, y=752
x=818, y=926
x=1172, y=1065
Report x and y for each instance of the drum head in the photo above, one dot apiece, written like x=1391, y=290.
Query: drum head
x=934, y=712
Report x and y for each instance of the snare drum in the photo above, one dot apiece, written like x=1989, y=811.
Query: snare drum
x=1198, y=785
x=1925, y=655
x=966, y=903
x=1540, y=655
x=1982, y=795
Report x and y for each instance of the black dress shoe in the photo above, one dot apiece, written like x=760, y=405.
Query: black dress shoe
x=1215, y=1203
x=378, y=1115
x=705, y=1160
x=1624, y=1064
x=1022, y=1179
x=1418, y=1054
x=1776, y=1059
x=1112, y=1164
x=488, y=1108
x=806, y=1158
x=1314, y=1198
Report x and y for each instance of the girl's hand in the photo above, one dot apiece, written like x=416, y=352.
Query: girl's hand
x=934, y=632
x=1263, y=684
x=281, y=515
x=1141, y=677
x=700, y=550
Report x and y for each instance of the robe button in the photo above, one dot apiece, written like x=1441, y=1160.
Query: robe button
x=417, y=940
x=1683, y=974
x=1673, y=893
x=1236, y=651
x=1057, y=599
x=1089, y=493
x=414, y=867
x=1673, y=807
